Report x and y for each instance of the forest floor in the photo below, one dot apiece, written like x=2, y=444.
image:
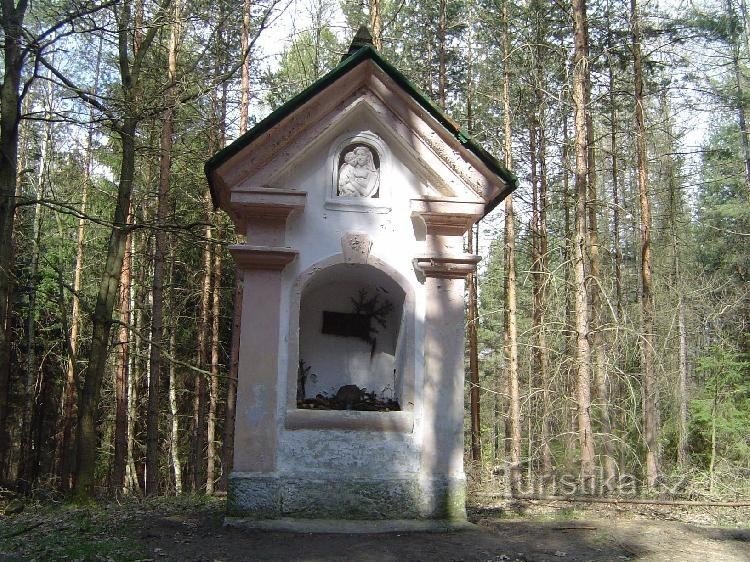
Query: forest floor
x=191, y=529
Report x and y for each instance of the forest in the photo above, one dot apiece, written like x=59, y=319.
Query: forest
x=608, y=325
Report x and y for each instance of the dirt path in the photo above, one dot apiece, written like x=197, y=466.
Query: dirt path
x=191, y=529
x=200, y=538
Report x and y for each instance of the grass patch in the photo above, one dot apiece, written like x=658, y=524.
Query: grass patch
x=95, y=531
x=69, y=533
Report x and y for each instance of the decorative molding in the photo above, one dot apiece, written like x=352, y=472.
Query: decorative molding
x=447, y=267
x=266, y=203
x=393, y=422
x=440, y=142
x=356, y=246
x=447, y=217
x=267, y=206
x=359, y=203
x=258, y=154
x=262, y=257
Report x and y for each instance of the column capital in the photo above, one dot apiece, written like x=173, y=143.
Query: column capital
x=447, y=267
x=447, y=217
x=264, y=204
x=262, y=257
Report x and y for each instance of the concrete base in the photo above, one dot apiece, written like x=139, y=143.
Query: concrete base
x=350, y=527
x=261, y=497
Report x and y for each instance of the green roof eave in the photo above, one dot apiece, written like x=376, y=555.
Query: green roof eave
x=363, y=53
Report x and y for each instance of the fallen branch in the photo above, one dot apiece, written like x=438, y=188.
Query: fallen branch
x=24, y=530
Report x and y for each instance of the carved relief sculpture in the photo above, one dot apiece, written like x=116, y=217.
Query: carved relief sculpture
x=358, y=173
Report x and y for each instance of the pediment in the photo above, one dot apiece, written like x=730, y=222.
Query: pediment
x=364, y=119
x=364, y=98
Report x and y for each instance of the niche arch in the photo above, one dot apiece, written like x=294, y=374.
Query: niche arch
x=375, y=198
x=385, y=366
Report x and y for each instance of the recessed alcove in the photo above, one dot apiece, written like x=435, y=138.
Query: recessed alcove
x=352, y=332
x=350, y=321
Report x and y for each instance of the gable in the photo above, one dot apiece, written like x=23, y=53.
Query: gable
x=363, y=85
x=363, y=116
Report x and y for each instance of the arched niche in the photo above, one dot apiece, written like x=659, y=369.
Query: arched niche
x=360, y=166
x=337, y=361
x=358, y=171
x=351, y=319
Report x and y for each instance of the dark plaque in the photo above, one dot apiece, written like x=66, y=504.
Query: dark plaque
x=346, y=324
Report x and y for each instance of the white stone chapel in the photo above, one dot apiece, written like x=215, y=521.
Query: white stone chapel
x=354, y=198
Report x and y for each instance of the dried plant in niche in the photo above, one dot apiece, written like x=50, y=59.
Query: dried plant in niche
x=372, y=308
x=303, y=373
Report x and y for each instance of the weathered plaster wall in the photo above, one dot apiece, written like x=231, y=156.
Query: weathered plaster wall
x=317, y=234
x=347, y=463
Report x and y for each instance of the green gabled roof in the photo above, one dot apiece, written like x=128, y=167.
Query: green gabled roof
x=356, y=57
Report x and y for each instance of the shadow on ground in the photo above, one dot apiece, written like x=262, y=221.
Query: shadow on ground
x=195, y=532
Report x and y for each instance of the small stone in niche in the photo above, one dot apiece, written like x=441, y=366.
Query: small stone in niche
x=349, y=394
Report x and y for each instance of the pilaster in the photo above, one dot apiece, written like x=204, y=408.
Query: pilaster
x=263, y=214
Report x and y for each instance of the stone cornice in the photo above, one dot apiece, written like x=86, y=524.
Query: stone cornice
x=447, y=217
x=262, y=257
x=447, y=267
x=260, y=203
x=395, y=422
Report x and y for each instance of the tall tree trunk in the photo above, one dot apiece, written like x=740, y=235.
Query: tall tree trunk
x=227, y=455
x=675, y=209
x=199, y=398
x=27, y=464
x=613, y=145
x=122, y=371
x=442, y=30
x=474, y=407
x=534, y=400
x=376, y=24
x=683, y=460
x=539, y=275
x=174, y=435
x=10, y=116
x=595, y=293
x=213, y=395
x=581, y=299
x=542, y=336
x=245, y=68
x=510, y=329
x=472, y=282
x=174, y=442
x=570, y=372
x=160, y=247
x=540, y=257
x=596, y=314
x=131, y=472
x=650, y=396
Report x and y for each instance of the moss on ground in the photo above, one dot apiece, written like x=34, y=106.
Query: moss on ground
x=91, y=532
